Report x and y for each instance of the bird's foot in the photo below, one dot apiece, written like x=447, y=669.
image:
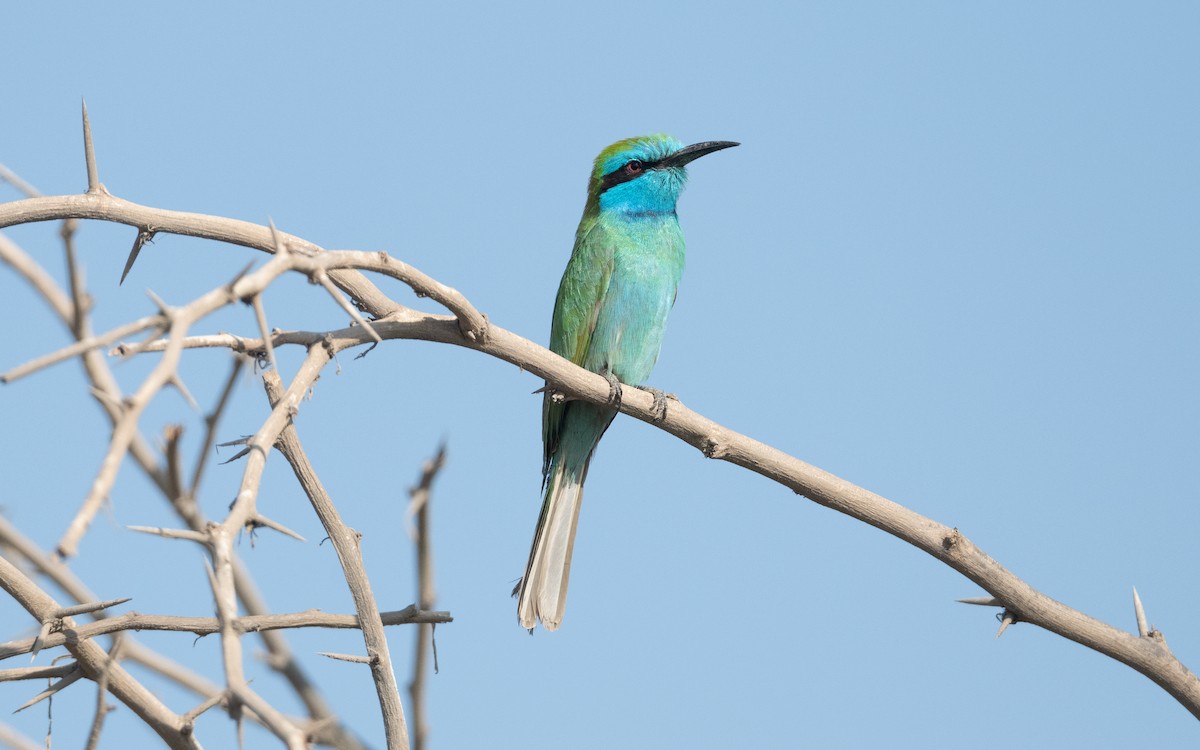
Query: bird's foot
x=659, y=406
x=614, y=389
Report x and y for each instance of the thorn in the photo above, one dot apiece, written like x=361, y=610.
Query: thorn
x=183, y=391
x=1006, y=618
x=1140, y=614
x=323, y=279
x=143, y=236
x=117, y=405
x=245, y=270
x=236, y=456
x=276, y=240
x=163, y=307
x=261, y=316
x=346, y=657
x=38, y=642
x=983, y=601
x=64, y=682
x=212, y=578
x=433, y=644
x=89, y=155
x=261, y=520
x=82, y=609
x=194, y=536
x=190, y=717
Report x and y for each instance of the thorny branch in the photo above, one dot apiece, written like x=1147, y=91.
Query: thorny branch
x=466, y=327
x=346, y=543
x=323, y=726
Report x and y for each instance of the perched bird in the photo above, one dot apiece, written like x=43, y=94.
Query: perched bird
x=609, y=318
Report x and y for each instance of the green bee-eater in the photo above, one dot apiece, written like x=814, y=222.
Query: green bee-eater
x=609, y=317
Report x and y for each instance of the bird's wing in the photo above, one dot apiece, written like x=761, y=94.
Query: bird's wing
x=580, y=299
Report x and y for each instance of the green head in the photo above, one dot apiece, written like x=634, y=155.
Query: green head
x=644, y=176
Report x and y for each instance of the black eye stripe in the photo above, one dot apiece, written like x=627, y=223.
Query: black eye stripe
x=621, y=174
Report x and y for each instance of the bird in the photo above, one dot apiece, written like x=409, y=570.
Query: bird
x=609, y=317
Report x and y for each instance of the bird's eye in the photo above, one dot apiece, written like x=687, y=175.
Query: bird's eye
x=633, y=167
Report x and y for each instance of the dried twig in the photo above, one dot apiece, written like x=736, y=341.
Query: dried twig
x=419, y=506
x=92, y=660
x=345, y=542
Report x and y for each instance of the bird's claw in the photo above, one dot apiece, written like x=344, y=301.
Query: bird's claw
x=614, y=389
x=659, y=407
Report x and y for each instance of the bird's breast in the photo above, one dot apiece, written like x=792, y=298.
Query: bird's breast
x=648, y=261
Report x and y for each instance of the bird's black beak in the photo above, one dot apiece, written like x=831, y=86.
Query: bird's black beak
x=688, y=154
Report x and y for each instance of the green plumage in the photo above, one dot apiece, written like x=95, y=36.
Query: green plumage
x=609, y=317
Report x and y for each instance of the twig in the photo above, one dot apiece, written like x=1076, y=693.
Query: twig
x=79, y=347
x=133, y=651
x=419, y=506
x=346, y=544
x=15, y=740
x=1148, y=656
x=13, y=179
x=210, y=424
x=37, y=673
x=102, y=707
x=92, y=659
x=108, y=393
x=225, y=596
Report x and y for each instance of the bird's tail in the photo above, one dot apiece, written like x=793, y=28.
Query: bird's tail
x=543, y=590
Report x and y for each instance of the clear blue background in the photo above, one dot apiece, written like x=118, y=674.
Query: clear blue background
x=954, y=261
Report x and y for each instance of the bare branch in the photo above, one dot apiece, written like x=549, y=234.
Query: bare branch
x=110, y=208
x=92, y=659
x=468, y=328
x=210, y=424
x=419, y=506
x=133, y=651
x=102, y=707
x=37, y=673
x=15, y=740
x=79, y=347
x=11, y=177
x=346, y=544
x=225, y=596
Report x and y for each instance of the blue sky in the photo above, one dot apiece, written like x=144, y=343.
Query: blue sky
x=954, y=261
